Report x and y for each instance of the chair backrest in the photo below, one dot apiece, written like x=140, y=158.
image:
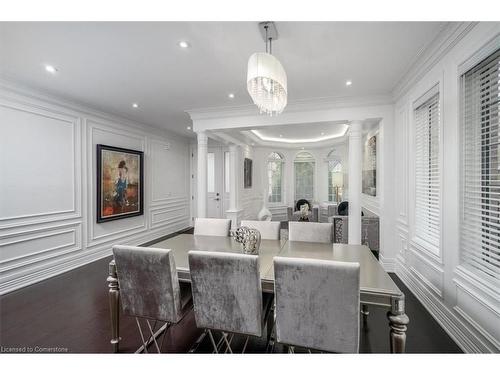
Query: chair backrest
x=149, y=287
x=309, y=232
x=212, y=227
x=317, y=304
x=227, y=292
x=269, y=230
x=343, y=208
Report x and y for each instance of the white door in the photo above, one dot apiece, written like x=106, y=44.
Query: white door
x=215, y=182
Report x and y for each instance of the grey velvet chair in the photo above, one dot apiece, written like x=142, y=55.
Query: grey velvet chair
x=150, y=290
x=317, y=304
x=211, y=227
x=227, y=295
x=309, y=232
x=269, y=230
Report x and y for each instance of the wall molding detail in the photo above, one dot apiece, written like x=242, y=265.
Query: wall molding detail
x=468, y=340
x=50, y=113
x=42, y=246
x=389, y=264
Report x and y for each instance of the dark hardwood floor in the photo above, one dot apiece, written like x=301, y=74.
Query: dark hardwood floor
x=71, y=312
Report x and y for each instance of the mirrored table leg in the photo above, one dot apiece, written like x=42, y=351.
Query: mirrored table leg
x=114, y=301
x=398, y=321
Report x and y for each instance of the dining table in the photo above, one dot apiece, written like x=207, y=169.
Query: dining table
x=376, y=286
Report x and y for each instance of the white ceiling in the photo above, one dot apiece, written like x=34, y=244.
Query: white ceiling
x=110, y=65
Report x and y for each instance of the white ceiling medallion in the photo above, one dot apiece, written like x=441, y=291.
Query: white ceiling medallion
x=266, y=78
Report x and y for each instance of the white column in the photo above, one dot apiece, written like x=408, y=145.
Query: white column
x=234, y=212
x=355, y=173
x=202, y=174
x=233, y=177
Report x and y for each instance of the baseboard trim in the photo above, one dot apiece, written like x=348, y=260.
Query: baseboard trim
x=467, y=340
x=389, y=264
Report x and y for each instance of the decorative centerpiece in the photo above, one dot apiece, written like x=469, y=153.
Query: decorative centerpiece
x=304, y=212
x=249, y=239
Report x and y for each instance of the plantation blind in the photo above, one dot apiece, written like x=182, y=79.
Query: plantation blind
x=480, y=211
x=427, y=170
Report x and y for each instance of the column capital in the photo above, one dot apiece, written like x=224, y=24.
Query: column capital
x=202, y=138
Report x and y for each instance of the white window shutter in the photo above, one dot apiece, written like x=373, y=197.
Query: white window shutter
x=428, y=173
x=480, y=195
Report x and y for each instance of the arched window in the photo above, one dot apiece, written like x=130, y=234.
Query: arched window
x=335, y=180
x=335, y=177
x=275, y=178
x=304, y=176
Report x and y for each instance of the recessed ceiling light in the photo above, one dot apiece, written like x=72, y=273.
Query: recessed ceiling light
x=253, y=144
x=281, y=135
x=230, y=96
x=188, y=128
x=183, y=44
x=302, y=148
x=322, y=133
x=348, y=83
x=135, y=105
x=51, y=69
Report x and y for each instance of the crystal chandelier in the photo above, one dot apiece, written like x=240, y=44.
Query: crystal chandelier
x=266, y=78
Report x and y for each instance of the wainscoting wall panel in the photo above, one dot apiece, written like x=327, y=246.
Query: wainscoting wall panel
x=48, y=185
x=40, y=162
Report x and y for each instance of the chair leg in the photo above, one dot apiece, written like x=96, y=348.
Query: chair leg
x=198, y=341
x=144, y=346
x=213, y=341
x=151, y=330
x=270, y=341
x=224, y=336
x=228, y=346
x=291, y=350
x=152, y=337
x=245, y=345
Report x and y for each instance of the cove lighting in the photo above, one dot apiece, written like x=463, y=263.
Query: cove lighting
x=339, y=134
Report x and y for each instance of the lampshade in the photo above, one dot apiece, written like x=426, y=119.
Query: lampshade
x=266, y=83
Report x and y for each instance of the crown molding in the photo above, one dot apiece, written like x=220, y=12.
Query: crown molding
x=11, y=87
x=303, y=105
x=447, y=38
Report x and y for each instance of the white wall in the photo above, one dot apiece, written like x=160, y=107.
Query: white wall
x=469, y=311
x=48, y=192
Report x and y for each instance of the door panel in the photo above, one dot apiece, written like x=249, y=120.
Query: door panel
x=215, y=182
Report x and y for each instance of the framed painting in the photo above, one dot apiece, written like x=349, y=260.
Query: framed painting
x=120, y=183
x=247, y=173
